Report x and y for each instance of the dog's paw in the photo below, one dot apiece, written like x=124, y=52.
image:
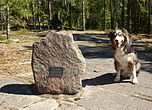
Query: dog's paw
x=135, y=81
x=117, y=79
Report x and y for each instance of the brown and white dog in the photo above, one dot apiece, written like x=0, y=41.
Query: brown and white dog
x=126, y=62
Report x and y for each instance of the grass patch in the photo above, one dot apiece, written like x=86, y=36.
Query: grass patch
x=141, y=36
x=92, y=43
x=4, y=40
x=136, y=37
x=36, y=38
x=143, y=44
x=22, y=39
x=107, y=30
x=19, y=39
x=28, y=39
x=21, y=31
x=8, y=41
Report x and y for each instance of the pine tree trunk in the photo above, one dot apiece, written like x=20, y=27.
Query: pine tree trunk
x=70, y=15
x=149, y=18
x=136, y=16
x=34, y=18
x=129, y=16
x=122, y=13
x=1, y=18
x=112, y=14
x=90, y=16
x=48, y=27
x=38, y=15
x=83, y=16
x=104, y=12
x=116, y=14
x=66, y=5
x=90, y=20
x=39, y=20
x=8, y=22
x=78, y=20
x=50, y=10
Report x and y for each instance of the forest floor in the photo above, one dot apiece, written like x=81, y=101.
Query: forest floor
x=99, y=91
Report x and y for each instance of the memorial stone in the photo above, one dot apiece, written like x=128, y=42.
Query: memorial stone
x=57, y=64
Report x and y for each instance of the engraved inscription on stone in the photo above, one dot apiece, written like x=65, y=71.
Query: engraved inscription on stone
x=55, y=71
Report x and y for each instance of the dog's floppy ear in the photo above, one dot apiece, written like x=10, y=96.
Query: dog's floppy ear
x=126, y=34
x=111, y=34
x=124, y=31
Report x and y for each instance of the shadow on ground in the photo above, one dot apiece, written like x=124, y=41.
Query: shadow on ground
x=146, y=66
x=22, y=89
x=28, y=47
x=104, y=79
x=91, y=37
x=96, y=51
x=100, y=80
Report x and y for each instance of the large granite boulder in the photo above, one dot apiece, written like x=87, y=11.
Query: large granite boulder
x=57, y=64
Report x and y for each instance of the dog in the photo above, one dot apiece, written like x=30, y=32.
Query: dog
x=125, y=59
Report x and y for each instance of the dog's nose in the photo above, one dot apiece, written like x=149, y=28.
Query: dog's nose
x=116, y=41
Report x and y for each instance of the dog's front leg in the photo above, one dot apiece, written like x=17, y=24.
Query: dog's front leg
x=134, y=76
x=118, y=76
x=117, y=68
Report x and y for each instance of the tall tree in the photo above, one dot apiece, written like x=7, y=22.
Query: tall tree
x=2, y=18
x=34, y=14
x=136, y=16
x=70, y=11
x=129, y=11
x=39, y=13
x=8, y=21
x=104, y=15
x=149, y=16
x=112, y=9
x=122, y=4
x=83, y=15
x=50, y=9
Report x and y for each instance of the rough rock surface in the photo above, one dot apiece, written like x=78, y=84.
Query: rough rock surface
x=57, y=64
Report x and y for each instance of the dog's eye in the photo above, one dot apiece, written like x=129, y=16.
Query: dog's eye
x=124, y=34
x=120, y=34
